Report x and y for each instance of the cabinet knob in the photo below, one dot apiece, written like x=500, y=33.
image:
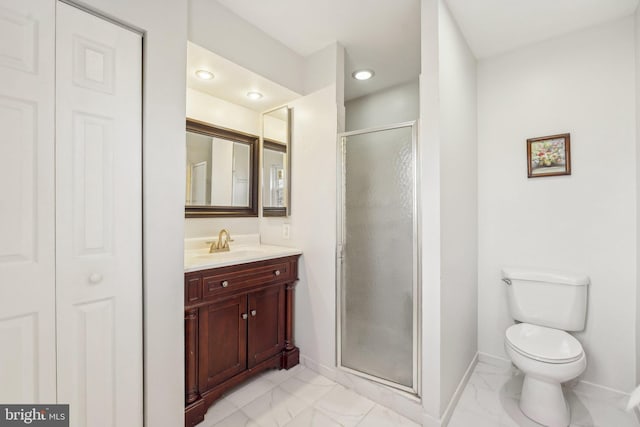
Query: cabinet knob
x=253, y=313
x=277, y=272
x=95, y=278
x=244, y=316
x=225, y=284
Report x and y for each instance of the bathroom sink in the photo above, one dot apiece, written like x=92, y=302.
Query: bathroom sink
x=201, y=260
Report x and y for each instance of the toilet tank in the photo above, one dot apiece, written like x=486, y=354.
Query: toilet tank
x=547, y=298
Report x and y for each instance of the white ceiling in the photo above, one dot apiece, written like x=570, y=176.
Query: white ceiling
x=496, y=26
x=385, y=36
x=380, y=35
x=232, y=82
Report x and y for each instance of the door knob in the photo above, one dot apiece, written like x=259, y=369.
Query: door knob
x=244, y=316
x=277, y=272
x=225, y=284
x=95, y=278
x=254, y=312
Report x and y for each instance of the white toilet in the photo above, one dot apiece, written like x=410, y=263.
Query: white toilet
x=548, y=304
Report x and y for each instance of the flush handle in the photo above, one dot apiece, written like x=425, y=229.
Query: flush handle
x=225, y=284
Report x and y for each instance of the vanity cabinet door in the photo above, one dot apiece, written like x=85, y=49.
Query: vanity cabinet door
x=266, y=324
x=222, y=341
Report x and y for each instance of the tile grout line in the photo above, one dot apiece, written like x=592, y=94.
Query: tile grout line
x=365, y=415
x=305, y=405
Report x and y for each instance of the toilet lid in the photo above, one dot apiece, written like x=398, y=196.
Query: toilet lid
x=543, y=344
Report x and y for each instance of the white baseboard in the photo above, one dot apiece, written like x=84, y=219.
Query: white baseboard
x=446, y=416
x=579, y=386
x=604, y=393
x=583, y=386
x=429, y=421
x=493, y=360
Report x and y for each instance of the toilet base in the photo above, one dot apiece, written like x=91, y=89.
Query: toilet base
x=544, y=402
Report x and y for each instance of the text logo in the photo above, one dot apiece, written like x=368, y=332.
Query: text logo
x=34, y=415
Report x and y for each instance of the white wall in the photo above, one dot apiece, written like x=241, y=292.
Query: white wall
x=429, y=145
x=274, y=128
x=397, y=104
x=208, y=227
x=637, y=58
x=583, y=84
x=216, y=28
x=316, y=121
x=458, y=206
x=312, y=225
x=320, y=69
x=165, y=49
x=448, y=144
x=218, y=112
x=271, y=228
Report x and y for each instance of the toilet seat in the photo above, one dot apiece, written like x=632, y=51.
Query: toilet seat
x=543, y=344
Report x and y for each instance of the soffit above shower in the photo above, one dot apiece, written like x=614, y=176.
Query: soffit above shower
x=231, y=82
x=492, y=27
x=379, y=35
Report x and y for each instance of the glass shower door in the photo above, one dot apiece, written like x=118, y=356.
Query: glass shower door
x=377, y=254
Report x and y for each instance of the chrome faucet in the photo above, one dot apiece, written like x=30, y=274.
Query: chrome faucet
x=221, y=245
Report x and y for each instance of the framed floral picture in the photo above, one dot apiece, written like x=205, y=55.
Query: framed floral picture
x=549, y=156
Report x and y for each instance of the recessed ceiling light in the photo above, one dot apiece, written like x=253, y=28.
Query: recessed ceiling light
x=204, y=74
x=254, y=95
x=362, y=74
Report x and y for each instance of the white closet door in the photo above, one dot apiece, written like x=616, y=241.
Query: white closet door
x=27, y=287
x=98, y=220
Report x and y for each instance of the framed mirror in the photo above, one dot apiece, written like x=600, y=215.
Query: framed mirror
x=276, y=162
x=222, y=172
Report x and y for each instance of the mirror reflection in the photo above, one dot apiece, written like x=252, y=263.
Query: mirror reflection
x=220, y=171
x=276, y=157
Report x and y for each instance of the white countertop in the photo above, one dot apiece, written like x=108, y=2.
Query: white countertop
x=244, y=249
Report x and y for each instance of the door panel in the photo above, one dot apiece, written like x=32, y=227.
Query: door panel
x=378, y=271
x=266, y=324
x=27, y=270
x=98, y=219
x=93, y=153
x=96, y=371
x=223, y=341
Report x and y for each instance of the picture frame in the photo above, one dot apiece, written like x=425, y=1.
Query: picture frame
x=549, y=156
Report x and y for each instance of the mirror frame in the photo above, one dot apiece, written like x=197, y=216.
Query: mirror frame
x=253, y=141
x=285, y=148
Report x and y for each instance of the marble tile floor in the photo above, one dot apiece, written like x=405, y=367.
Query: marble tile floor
x=301, y=397
x=298, y=397
x=490, y=399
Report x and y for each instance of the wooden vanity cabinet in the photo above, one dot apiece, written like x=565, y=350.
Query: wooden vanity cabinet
x=238, y=322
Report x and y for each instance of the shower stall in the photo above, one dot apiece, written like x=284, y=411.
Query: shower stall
x=377, y=256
